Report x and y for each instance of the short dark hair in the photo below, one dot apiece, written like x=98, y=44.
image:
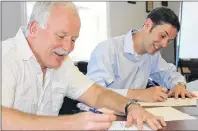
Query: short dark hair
x=162, y=15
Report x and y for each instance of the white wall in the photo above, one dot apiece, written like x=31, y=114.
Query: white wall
x=12, y=18
x=188, y=34
x=124, y=16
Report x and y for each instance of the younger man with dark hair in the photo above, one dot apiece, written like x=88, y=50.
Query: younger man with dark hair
x=125, y=63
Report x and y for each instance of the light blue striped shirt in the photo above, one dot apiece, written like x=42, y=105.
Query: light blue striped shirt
x=115, y=64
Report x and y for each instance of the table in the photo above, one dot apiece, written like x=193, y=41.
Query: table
x=184, y=124
x=180, y=124
x=193, y=111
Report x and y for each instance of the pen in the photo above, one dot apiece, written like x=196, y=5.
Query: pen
x=151, y=82
x=84, y=107
x=77, y=111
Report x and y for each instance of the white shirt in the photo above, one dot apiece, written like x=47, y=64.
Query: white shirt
x=22, y=80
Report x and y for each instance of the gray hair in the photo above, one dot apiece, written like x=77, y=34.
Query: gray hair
x=41, y=12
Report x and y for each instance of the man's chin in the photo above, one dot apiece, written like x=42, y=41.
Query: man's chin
x=54, y=65
x=153, y=52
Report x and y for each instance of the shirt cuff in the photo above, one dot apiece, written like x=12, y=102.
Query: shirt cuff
x=176, y=82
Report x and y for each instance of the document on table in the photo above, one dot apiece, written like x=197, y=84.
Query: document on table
x=120, y=125
x=168, y=113
x=172, y=102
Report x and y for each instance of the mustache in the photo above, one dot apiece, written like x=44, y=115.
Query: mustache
x=61, y=51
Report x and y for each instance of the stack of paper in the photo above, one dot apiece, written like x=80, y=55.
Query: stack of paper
x=172, y=102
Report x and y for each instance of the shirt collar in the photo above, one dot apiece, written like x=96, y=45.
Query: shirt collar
x=128, y=42
x=24, y=48
x=22, y=44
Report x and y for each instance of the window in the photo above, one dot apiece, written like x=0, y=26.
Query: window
x=29, y=7
x=189, y=29
x=93, y=27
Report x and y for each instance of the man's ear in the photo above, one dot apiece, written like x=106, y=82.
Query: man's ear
x=148, y=24
x=33, y=28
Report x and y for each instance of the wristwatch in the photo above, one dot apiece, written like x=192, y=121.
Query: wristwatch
x=128, y=104
x=182, y=83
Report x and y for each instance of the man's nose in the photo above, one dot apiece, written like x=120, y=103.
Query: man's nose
x=68, y=45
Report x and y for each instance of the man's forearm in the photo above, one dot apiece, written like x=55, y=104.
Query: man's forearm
x=131, y=94
x=17, y=120
x=113, y=100
x=100, y=97
x=136, y=94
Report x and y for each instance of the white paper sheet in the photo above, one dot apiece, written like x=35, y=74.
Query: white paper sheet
x=172, y=102
x=169, y=113
x=120, y=125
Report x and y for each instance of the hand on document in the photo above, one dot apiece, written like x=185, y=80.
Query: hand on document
x=160, y=94
x=168, y=113
x=180, y=90
x=138, y=115
x=154, y=94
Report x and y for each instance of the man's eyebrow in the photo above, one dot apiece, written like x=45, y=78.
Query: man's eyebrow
x=66, y=33
x=166, y=33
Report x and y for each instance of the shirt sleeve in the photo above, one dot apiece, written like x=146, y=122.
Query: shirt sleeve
x=78, y=82
x=100, y=66
x=8, y=85
x=165, y=73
